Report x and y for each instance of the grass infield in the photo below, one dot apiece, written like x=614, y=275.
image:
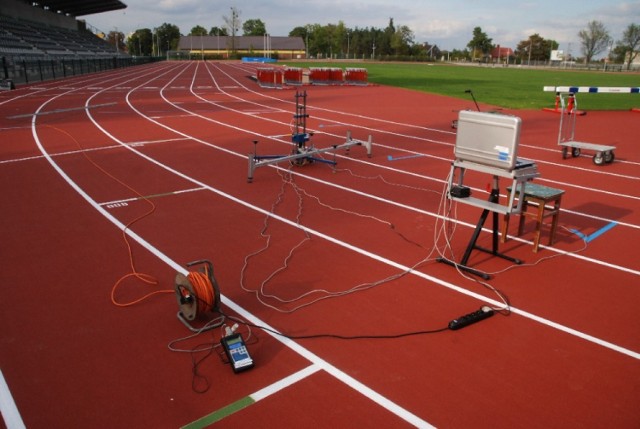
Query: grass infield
x=510, y=87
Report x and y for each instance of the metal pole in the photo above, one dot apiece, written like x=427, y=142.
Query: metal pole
x=26, y=76
x=5, y=68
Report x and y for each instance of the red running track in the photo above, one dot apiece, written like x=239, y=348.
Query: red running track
x=163, y=149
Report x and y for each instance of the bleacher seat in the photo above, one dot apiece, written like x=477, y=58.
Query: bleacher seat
x=30, y=40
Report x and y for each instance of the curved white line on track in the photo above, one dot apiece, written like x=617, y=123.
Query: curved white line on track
x=614, y=266
x=8, y=409
x=85, y=81
x=342, y=376
x=350, y=381
x=412, y=126
x=401, y=135
x=205, y=118
x=399, y=411
x=337, y=373
x=364, y=252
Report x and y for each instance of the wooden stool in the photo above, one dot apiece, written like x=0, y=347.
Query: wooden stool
x=540, y=195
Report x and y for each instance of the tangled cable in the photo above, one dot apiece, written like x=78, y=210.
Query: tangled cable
x=145, y=278
x=202, y=293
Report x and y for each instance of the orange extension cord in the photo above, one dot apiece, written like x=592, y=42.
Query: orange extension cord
x=145, y=278
x=203, y=289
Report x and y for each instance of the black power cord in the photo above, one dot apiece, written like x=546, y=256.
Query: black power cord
x=336, y=336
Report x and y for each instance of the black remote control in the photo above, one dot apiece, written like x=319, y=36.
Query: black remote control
x=470, y=318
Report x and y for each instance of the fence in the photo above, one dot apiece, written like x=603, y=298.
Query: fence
x=24, y=71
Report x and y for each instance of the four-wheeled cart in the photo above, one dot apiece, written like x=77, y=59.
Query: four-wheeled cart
x=566, y=135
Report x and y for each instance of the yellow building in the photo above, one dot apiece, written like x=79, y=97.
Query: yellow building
x=276, y=47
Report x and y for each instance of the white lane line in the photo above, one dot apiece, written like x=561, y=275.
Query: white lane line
x=251, y=399
x=577, y=256
x=339, y=374
x=381, y=400
x=371, y=255
x=8, y=408
x=126, y=201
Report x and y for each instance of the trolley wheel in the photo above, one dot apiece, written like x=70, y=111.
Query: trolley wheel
x=609, y=157
x=575, y=152
x=598, y=158
x=564, y=153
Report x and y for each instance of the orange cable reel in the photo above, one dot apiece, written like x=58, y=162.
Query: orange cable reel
x=198, y=295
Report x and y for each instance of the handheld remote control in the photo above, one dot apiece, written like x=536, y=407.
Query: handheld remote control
x=237, y=352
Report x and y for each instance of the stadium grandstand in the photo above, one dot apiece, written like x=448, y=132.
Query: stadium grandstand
x=46, y=40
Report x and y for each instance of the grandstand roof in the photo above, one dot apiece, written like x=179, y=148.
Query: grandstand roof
x=82, y=7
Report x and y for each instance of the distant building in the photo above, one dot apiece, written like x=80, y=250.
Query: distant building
x=250, y=46
x=498, y=54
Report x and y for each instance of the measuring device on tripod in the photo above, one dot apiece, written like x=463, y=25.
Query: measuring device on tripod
x=302, y=153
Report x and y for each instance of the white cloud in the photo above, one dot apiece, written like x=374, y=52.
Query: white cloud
x=448, y=24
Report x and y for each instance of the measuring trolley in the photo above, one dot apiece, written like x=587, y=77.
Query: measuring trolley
x=566, y=134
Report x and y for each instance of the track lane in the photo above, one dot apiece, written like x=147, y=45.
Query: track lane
x=204, y=161
x=241, y=114
x=86, y=196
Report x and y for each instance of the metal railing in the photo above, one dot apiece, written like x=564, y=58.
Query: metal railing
x=22, y=70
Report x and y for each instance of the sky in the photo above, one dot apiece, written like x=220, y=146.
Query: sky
x=448, y=24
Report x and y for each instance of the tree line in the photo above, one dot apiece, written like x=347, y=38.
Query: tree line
x=394, y=42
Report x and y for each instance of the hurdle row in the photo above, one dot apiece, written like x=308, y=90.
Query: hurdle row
x=270, y=77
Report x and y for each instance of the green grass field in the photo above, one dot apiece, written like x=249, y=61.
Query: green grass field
x=509, y=87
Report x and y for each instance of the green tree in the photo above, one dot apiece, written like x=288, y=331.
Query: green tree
x=360, y=42
x=254, y=27
x=116, y=38
x=535, y=48
x=299, y=32
x=593, y=40
x=480, y=44
x=318, y=42
x=618, y=54
x=402, y=40
x=140, y=43
x=458, y=55
x=630, y=43
x=383, y=39
x=166, y=38
x=217, y=31
x=337, y=40
x=333, y=43
x=198, y=30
